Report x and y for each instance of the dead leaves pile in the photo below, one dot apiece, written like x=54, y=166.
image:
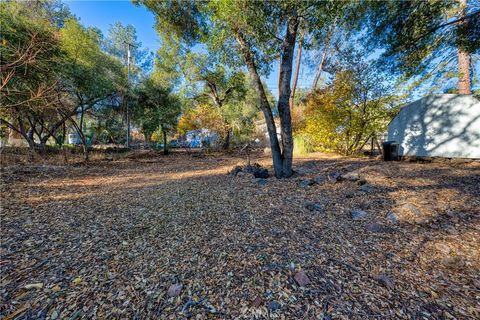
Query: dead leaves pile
x=176, y=237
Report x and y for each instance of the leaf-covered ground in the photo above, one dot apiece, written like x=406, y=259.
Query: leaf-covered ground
x=176, y=237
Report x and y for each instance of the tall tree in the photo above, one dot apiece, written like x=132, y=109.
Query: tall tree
x=259, y=32
x=91, y=77
x=157, y=109
x=426, y=38
x=221, y=85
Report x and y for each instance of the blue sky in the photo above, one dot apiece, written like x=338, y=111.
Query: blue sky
x=102, y=14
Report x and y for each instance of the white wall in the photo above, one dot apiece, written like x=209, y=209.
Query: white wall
x=443, y=125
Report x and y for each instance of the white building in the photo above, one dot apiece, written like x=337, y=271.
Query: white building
x=439, y=125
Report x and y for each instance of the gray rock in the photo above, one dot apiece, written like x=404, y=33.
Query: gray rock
x=262, y=181
x=366, y=188
x=313, y=206
x=306, y=183
x=301, y=278
x=358, y=214
x=392, y=217
x=235, y=170
x=274, y=306
x=351, y=176
x=384, y=280
x=319, y=179
x=174, y=290
x=378, y=228
x=349, y=194
x=261, y=173
x=334, y=176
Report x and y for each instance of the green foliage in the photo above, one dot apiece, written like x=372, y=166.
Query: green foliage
x=421, y=38
x=155, y=108
x=29, y=57
x=343, y=116
x=91, y=75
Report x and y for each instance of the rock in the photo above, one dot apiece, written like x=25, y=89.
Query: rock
x=174, y=290
x=361, y=182
x=306, y=183
x=366, y=188
x=349, y=194
x=31, y=286
x=261, y=173
x=257, y=302
x=392, y=217
x=384, y=280
x=313, y=206
x=409, y=212
x=358, y=214
x=378, y=228
x=274, y=306
x=453, y=262
x=262, y=181
x=235, y=170
x=351, y=176
x=301, y=278
x=319, y=179
x=334, y=176
x=54, y=315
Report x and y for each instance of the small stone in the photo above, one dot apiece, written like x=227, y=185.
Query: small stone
x=384, y=280
x=313, y=206
x=378, y=228
x=174, y=290
x=361, y=182
x=257, y=302
x=366, y=188
x=306, y=183
x=334, y=176
x=261, y=173
x=319, y=179
x=262, y=181
x=235, y=170
x=392, y=217
x=31, y=286
x=351, y=176
x=301, y=278
x=358, y=214
x=349, y=194
x=274, y=306
x=54, y=315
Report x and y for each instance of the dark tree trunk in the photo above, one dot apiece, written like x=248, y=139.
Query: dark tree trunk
x=226, y=143
x=165, y=149
x=282, y=158
x=284, y=97
x=264, y=104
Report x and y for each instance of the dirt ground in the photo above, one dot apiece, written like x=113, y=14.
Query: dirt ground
x=172, y=237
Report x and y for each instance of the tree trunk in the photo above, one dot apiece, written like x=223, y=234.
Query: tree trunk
x=284, y=97
x=463, y=57
x=165, y=150
x=297, y=70
x=82, y=137
x=264, y=104
x=322, y=59
x=226, y=143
